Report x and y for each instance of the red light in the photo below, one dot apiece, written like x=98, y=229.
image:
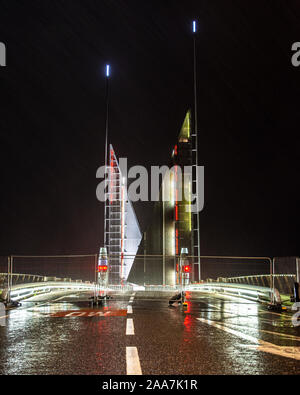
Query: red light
x=186, y=269
x=102, y=268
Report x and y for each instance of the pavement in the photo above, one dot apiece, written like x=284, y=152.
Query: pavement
x=138, y=333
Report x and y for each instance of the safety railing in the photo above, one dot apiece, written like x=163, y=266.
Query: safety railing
x=25, y=291
x=252, y=292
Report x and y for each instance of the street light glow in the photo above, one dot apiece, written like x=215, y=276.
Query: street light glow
x=194, y=27
x=107, y=70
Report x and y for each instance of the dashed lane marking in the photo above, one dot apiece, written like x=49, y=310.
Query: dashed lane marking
x=133, y=366
x=129, y=327
x=129, y=309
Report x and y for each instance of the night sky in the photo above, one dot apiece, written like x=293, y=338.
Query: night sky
x=52, y=124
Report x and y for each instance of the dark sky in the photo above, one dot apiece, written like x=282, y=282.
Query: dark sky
x=53, y=116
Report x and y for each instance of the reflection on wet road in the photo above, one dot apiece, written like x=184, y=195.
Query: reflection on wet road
x=135, y=334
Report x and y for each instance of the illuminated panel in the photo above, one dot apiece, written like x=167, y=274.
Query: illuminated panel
x=173, y=240
x=172, y=187
x=185, y=131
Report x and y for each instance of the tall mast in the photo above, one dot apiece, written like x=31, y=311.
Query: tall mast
x=196, y=145
x=107, y=73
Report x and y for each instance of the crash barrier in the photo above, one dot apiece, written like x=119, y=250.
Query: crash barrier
x=135, y=287
x=120, y=288
x=160, y=288
x=283, y=282
x=252, y=292
x=25, y=291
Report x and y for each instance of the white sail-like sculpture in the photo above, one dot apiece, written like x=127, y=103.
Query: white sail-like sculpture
x=122, y=231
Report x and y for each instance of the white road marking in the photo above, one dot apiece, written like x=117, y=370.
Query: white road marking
x=129, y=327
x=285, y=335
x=261, y=345
x=282, y=315
x=133, y=366
x=297, y=338
x=76, y=314
x=232, y=331
x=129, y=309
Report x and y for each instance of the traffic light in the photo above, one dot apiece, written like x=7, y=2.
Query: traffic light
x=186, y=268
x=102, y=268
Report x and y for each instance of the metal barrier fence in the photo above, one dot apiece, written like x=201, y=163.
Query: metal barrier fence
x=149, y=271
x=284, y=283
x=158, y=269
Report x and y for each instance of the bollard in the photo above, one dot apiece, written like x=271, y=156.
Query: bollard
x=2, y=314
x=296, y=292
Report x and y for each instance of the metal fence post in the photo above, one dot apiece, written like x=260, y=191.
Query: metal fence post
x=8, y=279
x=272, y=279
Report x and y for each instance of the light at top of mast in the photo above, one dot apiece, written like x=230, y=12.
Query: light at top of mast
x=194, y=26
x=107, y=70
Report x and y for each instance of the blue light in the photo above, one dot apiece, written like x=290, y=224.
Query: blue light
x=107, y=70
x=194, y=27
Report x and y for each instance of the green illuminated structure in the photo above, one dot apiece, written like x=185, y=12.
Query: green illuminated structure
x=171, y=228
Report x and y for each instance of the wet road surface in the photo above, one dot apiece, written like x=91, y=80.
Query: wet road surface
x=140, y=334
